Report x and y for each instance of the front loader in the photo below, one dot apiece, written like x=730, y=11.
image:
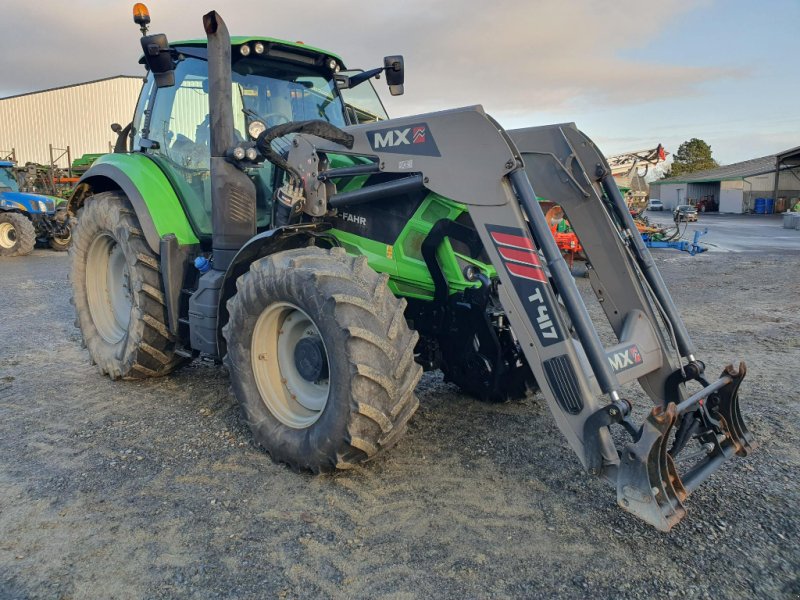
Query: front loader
x=328, y=255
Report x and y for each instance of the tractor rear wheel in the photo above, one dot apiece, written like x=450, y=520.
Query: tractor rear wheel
x=17, y=234
x=117, y=292
x=321, y=358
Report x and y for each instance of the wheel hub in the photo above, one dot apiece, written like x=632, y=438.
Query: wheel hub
x=310, y=359
x=8, y=235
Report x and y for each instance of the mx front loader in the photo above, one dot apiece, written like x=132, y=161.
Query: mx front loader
x=263, y=211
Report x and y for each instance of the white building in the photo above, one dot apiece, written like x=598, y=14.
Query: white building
x=76, y=116
x=737, y=188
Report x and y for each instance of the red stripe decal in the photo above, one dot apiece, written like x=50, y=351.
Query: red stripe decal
x=533, y=273
x=520, y=256
x=516, y=241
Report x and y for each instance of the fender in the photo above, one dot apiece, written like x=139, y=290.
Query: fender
x=157, y=207
x=259, y=246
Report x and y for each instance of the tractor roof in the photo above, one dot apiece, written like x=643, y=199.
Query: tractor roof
x=238, y=40
x=6, y=163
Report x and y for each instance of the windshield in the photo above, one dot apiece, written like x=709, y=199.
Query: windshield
x=262, y=90
x=282, y=93
x=8, y=183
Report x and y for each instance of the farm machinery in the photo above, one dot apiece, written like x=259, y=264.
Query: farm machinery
x=26, y=219
x=263, y=211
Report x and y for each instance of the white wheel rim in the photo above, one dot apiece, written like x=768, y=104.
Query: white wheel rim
x=292, y=399
x=8, y=235
x=108, y=288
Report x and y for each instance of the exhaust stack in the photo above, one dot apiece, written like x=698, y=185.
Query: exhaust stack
x=233, y=194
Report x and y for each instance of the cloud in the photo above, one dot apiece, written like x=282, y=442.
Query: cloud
x=514, y=56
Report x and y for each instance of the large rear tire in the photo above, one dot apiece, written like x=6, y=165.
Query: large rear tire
x=117, y=292
x=321, y=358
x=17, y=234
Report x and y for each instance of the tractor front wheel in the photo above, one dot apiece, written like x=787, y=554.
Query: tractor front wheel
x=61, y=241
x=320, y=358
x=17, y=234
x=117, y=292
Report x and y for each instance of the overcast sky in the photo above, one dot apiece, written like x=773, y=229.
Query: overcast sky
x=631, y=74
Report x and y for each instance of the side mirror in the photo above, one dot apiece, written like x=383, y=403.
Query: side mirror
x=395, y=74
x=158, y=57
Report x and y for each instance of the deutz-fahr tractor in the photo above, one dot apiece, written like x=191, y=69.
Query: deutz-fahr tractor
x=26, y=219
x=263, y=211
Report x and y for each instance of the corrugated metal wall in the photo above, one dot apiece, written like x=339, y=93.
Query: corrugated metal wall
x=79, y=117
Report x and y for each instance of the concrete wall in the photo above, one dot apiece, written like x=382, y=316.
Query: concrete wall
x=669, y=193
x=731, y=199
x=79, y=116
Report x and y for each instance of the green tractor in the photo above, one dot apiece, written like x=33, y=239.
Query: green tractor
x=262, y=210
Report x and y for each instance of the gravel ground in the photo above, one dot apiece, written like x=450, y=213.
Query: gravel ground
x=154, y=489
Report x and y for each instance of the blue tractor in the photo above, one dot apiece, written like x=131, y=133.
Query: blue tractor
x=26, y=219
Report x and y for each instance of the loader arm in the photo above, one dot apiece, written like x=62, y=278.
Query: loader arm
x=465, y=155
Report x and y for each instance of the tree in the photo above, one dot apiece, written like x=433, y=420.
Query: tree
x=692, y=156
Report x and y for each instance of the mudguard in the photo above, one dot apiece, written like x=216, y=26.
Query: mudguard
x=153, y=198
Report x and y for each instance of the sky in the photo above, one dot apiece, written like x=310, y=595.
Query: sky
x=630, y=74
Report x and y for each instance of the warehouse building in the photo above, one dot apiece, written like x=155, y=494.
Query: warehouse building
x=77, y=117
x=761, y=185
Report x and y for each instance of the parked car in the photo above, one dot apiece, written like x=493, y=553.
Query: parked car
x=655, y=205
x=685, y=212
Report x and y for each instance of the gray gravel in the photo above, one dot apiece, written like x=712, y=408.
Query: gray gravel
x=154, y=490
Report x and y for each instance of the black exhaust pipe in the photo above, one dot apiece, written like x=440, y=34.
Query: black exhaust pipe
x=233, y=194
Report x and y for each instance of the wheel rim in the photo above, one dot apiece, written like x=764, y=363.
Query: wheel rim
x=64, y=238
x=108, y=288
x=8, y=235
x=289, y=395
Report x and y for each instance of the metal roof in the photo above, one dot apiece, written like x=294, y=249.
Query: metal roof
x=740, y=170
x=72, y=85
x=789, y=157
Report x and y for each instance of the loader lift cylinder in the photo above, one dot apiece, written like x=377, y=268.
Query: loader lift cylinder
x=653, y=277
x=566, y=286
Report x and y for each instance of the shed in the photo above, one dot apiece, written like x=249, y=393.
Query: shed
x=736, y=188
x=77, y=116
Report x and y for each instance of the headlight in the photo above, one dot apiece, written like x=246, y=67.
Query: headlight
x=42, y=206
x=244, y=49
x=332, y=64
x=258, y=47
x=255, y=129
x=251, y=154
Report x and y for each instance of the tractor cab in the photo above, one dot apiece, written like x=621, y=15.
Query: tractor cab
x=8, y=182
x=274, y=82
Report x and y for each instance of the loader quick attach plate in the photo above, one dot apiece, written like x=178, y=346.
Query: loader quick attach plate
x=648, y=483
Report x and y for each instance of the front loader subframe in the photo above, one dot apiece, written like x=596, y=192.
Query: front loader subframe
x=465, y=155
